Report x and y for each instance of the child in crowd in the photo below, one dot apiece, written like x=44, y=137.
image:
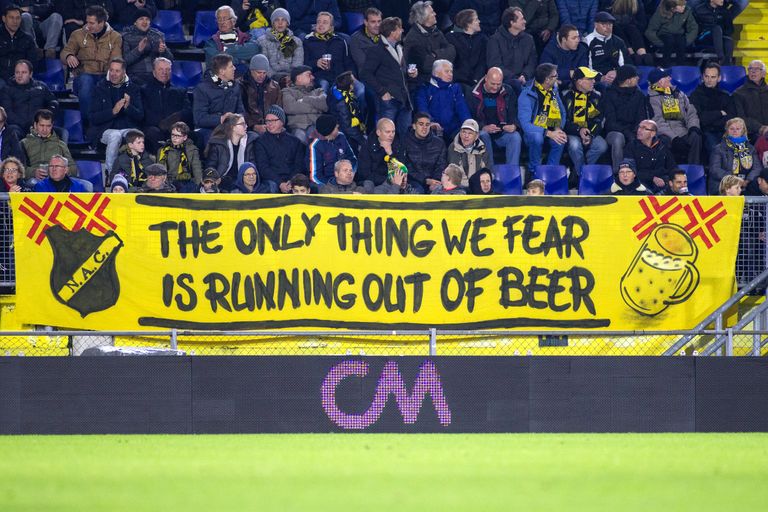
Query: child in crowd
x=132, y=160
x=535, y=188
x=182, y=159
x=300, y=184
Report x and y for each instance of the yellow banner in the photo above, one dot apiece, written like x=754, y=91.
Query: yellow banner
x=122, y=261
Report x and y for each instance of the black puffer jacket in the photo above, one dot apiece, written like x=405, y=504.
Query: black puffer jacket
x=515, y=55
x=13, y=48
x=710, y=103
x=469, y=66
x=654, y=161
x=427, y=156
x=218, y=154
x=22, y=101
x=624, y=108
x=279, y=157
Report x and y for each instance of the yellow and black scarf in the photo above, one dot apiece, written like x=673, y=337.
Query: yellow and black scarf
x=138, y=176
x=670, y=105
x=350, y=100
x=375, y=39
x=182, y=172
x=549, y=115
x=287, y=44
x=742, y=155
x=256, y=19
x=324, y=37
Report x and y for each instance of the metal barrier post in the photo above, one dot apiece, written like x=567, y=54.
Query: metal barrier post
x=433, y=342
x=729, y=343
x=174, y=344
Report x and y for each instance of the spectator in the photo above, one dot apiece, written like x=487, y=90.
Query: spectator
x=39, y=16
x=542, y=116
x=450, y=182
x=365, y=39
x=732, y=186
x=181, y=158
x=379, y=151
x=115, y=108
x=487, y=11
x=343, y=181
x=259, y=93
x=304, y=13
x=543, y=19
x=481, y=183
x=119, y=185
x=625, y=182
x=279, y=155
x=567, y=52
x=631, y=22
x=23, y=96
x=142, y=45
x=425, y=43
x=384, y=72
x=157, y=181
x=652, y=157
x=535, y=188
x=443, y=100
x=12, y=173
x=346, y=106
x=303, y=103
x=254, y=16
x=607, y=52
x=74, y=13
x=426, y=153
x=230, y=145
x=211, y=182
x=163, y=103
x=230, y=40
x=734, y=156
x=249, y=182
x=624, y=106
x=217, y=94
x=672, y=29
x=512, y=49
x=284, y=50
x=42, y=143
x=329, y=147
x=716, y=28
x=752, y=100
x=15, y=44
x=493, y=104
x=397, y=183
x=580, y=13
x=126, y=10
x=713, y=105
x=677, y=184
x=584, y=119
x=759, y=188
x=327, y=53
x=300, y=185
x=468, y=152
x=132, y=159
x=470, y=46
x=88, y=54
x=57, y=179
x=9, y=142
x=675, y=116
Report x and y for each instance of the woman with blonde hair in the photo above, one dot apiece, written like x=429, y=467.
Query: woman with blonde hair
x=734, y=156
x=731, y=185
x=12, y=174
x=672, y=29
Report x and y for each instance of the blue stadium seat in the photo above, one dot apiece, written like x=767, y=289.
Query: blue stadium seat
x=169, y=23
x=90, y=170
x=733, y=77
x=555, y=177
x=205, y=27
x=697, y=180
x=353, y=21
x=643, y=71
x=686, y=78
x=53, y=75
x=509, y=178
x=595, y=180
x=71, y=120
x=185, y=73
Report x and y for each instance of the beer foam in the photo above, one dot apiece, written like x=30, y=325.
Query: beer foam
x=674, y=241
x=661, y=261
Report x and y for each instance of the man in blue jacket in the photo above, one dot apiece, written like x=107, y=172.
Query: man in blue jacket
x=443, y=100
x=567, y=52
x=58, y=180
x=329, y=147
x=542, y=117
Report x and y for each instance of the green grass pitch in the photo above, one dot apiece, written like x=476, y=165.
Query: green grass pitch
x=393, y=473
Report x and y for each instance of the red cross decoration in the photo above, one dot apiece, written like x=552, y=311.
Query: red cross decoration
x=656, y=212
x=89, y=214
x=697, y=221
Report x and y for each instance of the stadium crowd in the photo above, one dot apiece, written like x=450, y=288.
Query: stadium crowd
x=425, y=97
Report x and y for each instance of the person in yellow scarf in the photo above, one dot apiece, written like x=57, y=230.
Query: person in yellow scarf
x=542, y=117
x=584, y=119
x=734, y=156
x=675, y=116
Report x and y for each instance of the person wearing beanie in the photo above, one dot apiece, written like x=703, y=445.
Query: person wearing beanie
x=625, y=182
x=259, y=92
x=326, y=149
x=281, y=47
x=304, y=14
x=584, y=119
x=142, y=44
x=126, y=12
x=119, y=185
x=567, y=52
x=249, y=181
x=230, y=40
x=675, y=116
x=303, y=103
x=279, y=155
x=607, y=52
x=624, y=106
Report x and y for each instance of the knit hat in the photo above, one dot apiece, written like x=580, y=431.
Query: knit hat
x=299, y=70
x=280, y=13
x=259, y=63
x=325, y=124
x=628, y=162
x=140, y=13
x=156, y=170
x=657, y=74
x=277, y=111
x=626, y=72
x=118, y=180
x=583, y=72
x=471, y=124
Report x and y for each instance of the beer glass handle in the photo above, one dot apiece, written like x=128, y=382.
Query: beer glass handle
x=692, y=276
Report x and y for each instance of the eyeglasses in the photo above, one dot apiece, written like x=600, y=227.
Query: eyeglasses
x=177, y=135
x=271, y=120
x=12, y=169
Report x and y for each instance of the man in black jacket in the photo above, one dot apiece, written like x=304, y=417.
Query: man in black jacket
x=279, y=155
x=426, y=152
x=512, y=49
x=624, y=106
x=713, y=105
x=653, y=158
x=164, y=104
x=23, y=96
x=378, y=154
x=14, y=44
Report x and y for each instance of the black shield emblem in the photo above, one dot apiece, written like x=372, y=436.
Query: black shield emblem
x=83, y=276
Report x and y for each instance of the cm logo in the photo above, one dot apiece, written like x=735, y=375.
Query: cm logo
x=390, y=383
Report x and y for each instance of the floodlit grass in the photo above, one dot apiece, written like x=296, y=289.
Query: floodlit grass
x=393, y=473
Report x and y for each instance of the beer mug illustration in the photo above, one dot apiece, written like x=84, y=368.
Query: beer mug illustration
x=662, y=272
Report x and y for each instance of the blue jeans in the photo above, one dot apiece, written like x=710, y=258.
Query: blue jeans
x=535, y=142
x=84, y=84
x=576, y=151
x=512, y=142
x=397, y=112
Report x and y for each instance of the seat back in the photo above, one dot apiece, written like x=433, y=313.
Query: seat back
x=53, y=75
x=186, y=73
x=90, y=172
x=733, y=77
x=685, y=78
x=169, y=23
x=205, y=27
x=697, y=180
x=353, y=21
x=71, y=120
x=555, y=178
x=509, y=179
x=643, y=72
x=595, y=180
